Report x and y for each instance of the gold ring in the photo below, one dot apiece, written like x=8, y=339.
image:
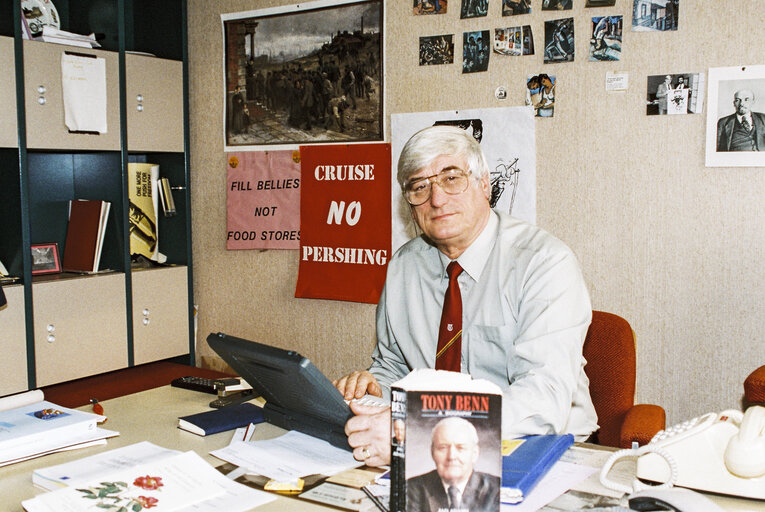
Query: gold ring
x=365, y=453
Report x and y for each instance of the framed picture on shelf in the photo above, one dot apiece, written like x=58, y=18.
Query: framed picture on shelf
x=45, y=259
x=303, y=74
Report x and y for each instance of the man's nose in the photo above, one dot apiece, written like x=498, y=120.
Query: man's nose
x=437, y=195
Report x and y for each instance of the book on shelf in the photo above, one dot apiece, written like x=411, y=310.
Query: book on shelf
x=31, y=427
x=143, y=198
x=526, y=460
x=446, y=430
x=85, y=235
x=221, y=420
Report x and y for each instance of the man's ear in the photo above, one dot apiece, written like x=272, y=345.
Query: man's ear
x=486, y=186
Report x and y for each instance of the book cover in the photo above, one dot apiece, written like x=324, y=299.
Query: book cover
x=221, y=420
x=445, y=443
x=526, y=460
x=84, y=235
x=144, y=203
x=41, y=420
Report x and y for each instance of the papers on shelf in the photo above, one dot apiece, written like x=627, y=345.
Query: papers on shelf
x=288, y=457
x=171, y=481
x=31, y=427
x=54, y=35
x=83, y=81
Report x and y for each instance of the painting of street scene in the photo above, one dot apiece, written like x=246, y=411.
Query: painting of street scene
x=303, y=75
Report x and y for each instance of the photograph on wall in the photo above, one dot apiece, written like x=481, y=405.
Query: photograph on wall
x=736, y=117
x=654, y=15
x=430, y=7
x=514, y=7
x=436, y=50
x=514, y=41
x=606, y=39
x=303, y=74
x=508, y=140
x=474, y=9
x=475, y=51
x=557, y=5
x=680, y=93
x=600, y=3
x=540, y=94
x=559, y=40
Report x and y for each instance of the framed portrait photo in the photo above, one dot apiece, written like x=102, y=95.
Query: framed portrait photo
x=303, y=74
x=45, y=259
x=736, y=117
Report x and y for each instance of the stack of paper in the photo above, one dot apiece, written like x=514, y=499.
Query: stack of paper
x=31, y=427
x=141, y=476
x=54, y=35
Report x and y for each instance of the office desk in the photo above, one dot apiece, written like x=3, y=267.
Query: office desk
x=153, y=415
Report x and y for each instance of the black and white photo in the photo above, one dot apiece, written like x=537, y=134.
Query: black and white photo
x=475, y=51
x=435, y=50
x=654, y=15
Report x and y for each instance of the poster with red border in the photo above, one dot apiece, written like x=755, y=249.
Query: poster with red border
x=344, y=221
x=263, y=200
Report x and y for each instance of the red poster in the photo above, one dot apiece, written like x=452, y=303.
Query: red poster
x=263, y=200
x=344, y=221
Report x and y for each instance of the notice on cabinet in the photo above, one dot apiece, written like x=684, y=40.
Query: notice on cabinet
x=83, y=80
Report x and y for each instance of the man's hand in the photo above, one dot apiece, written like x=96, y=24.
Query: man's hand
x=369, y=434
x=358, y=384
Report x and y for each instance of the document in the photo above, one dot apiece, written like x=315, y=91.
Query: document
x=559, y=479
x=288, y=457
x=182, y=482
x=83, y=82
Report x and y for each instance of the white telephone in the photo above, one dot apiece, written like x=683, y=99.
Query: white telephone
x=722, y=453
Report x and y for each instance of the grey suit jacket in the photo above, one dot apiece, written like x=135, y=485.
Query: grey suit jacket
x=425, y=493
x=725, y=127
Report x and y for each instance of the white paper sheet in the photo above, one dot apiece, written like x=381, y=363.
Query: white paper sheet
x=83, y=81
x=561, y=477
x=290, y=456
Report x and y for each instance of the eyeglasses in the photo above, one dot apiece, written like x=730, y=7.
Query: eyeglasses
x=452, y=181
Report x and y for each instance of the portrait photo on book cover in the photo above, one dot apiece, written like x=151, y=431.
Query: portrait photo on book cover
x=302, y=74
x=736, y=117
x=462, y=468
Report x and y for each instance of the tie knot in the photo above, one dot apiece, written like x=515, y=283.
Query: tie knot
x=453, y=269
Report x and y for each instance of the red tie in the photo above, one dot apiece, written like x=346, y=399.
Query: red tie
x=449, y=351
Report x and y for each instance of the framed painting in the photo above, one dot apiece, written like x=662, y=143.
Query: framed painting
x=303, y=74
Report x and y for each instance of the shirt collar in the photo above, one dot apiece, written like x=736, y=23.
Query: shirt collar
x=473, y=260
x=748, y=117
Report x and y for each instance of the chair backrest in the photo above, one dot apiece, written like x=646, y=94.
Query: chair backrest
x=609, y=349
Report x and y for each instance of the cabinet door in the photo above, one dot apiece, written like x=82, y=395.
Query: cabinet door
x=160, y=314
x=79, y=327
x=8, y=133
x=154, y=103
x=13, y=343
x=45, y=103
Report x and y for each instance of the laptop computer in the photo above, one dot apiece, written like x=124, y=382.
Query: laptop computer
x=298, y=396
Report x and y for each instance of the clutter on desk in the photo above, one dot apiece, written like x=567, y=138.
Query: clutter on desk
x=31, y=427
x=175, y=481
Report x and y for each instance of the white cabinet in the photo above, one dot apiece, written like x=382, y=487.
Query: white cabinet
x=154, y=103
x=13, y=363
x=160, y=313
x=44, y=100
x=8, y=133
x=79, y=327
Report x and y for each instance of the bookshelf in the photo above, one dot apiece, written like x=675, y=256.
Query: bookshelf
x=66, y=326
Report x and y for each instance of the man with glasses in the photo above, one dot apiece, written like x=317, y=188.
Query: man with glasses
x=522, y=306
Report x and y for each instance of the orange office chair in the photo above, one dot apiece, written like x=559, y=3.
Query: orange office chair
x=610, y=352
x=754, y=387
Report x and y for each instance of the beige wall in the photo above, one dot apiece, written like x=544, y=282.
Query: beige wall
x=674, y=247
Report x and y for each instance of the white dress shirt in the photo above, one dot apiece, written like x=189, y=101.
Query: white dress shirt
x=526, y=311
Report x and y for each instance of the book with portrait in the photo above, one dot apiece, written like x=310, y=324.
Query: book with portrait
x=446, y=430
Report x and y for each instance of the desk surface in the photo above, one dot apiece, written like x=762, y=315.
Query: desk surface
x=153, y=415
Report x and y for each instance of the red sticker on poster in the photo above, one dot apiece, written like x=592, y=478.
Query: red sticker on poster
x=344, y=221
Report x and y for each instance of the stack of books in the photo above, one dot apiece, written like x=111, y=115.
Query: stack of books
x=32, y=427
x=85, y=235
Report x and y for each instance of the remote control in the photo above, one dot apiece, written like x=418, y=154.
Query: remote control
x=196, y=384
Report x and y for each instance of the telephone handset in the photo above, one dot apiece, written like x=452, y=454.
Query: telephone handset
x=722, y=453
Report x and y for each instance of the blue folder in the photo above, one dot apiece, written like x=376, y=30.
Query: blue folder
x=524, y=467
